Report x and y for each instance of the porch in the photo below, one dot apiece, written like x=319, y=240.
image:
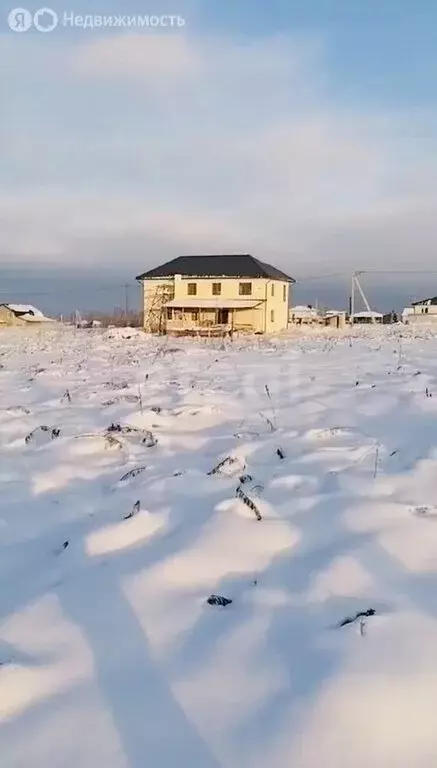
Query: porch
x=212, y=316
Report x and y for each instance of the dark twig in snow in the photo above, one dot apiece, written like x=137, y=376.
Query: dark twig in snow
x=224, y=463
x=273, y=425
x=280, y=453
x=134, y=511
x=245, y=479
x=218, y=600
x=66, y=396
x=248, y=502
x=53, y=433
x=350, y=620
x=132, y=473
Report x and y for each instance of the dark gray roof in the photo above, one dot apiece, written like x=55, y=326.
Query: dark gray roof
x=424, y=301
x=223, y=265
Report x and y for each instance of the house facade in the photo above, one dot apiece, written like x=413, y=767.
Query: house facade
x=215, y=294
x=304, y=315
x=366, y=317
x=421, y=312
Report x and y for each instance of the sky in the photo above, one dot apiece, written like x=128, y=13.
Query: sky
x=301, y=131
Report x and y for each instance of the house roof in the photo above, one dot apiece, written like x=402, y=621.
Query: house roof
x=27, y=312
x=223, y=265
x=304, y=309
x=433, y=300
x=23, y=309
x=366, y=313
x=214, y=303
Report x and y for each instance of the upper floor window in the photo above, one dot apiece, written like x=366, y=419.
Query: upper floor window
x=216, y=289
x=273, y=289
x=284, y=293
x=192, y=289
x=245, y=289
x=272, y=315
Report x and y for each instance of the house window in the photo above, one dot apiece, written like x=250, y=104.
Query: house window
x=272, y=315
x=216, y=289
x=245, y=289
x=192, y=289
x=284, y=293
x=273, y=289
x=195, y=315
x=169, y=313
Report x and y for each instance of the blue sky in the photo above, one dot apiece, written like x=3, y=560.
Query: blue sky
x=303, y=131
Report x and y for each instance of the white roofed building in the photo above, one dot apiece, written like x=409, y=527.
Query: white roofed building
x=422, y=312
x=367, y=317
x=21, y=314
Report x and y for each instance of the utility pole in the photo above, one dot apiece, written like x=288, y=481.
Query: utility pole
x=352, y=302
x=126, y=300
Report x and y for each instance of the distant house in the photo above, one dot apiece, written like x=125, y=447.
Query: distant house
x=21, y=314
x=421, y=312
x=303, y=315
x=362, y=318
x=215, y=294
x=335, y=318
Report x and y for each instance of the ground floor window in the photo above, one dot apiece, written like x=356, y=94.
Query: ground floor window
x=195, y=314
x=169, y=313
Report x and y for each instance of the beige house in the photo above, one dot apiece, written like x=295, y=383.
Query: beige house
x=304, y=315
x=21, y=314
x=215, y=295
x=421, y=312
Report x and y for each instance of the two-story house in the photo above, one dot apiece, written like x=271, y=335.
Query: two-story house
x=215, y=294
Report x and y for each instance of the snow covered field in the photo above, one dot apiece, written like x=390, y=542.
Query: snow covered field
x=109, y=653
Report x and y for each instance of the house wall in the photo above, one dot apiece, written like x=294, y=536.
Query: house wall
x=155, y=295
x=7, y=317
x=419, y=316
x=429, y=309
x=259, y=318
x=278, y=303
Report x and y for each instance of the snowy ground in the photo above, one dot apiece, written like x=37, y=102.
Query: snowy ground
x=110, y=655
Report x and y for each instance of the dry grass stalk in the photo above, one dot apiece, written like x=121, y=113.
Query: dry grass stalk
x=248, y=502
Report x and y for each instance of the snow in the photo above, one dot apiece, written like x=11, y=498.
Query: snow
x=29, y=313
x=109, y=652
x=25, y=308
x=303, y=308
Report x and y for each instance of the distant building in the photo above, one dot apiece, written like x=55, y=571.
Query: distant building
x=215, y=295
x=334, y=318
x=303, y=315
x=363, y=318
x=421, y=312
x=21, y=314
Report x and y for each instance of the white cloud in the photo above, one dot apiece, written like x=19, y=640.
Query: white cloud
x=167, y=144
x=155, y=59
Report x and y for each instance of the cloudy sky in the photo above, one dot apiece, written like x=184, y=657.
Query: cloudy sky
x=302, y=131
